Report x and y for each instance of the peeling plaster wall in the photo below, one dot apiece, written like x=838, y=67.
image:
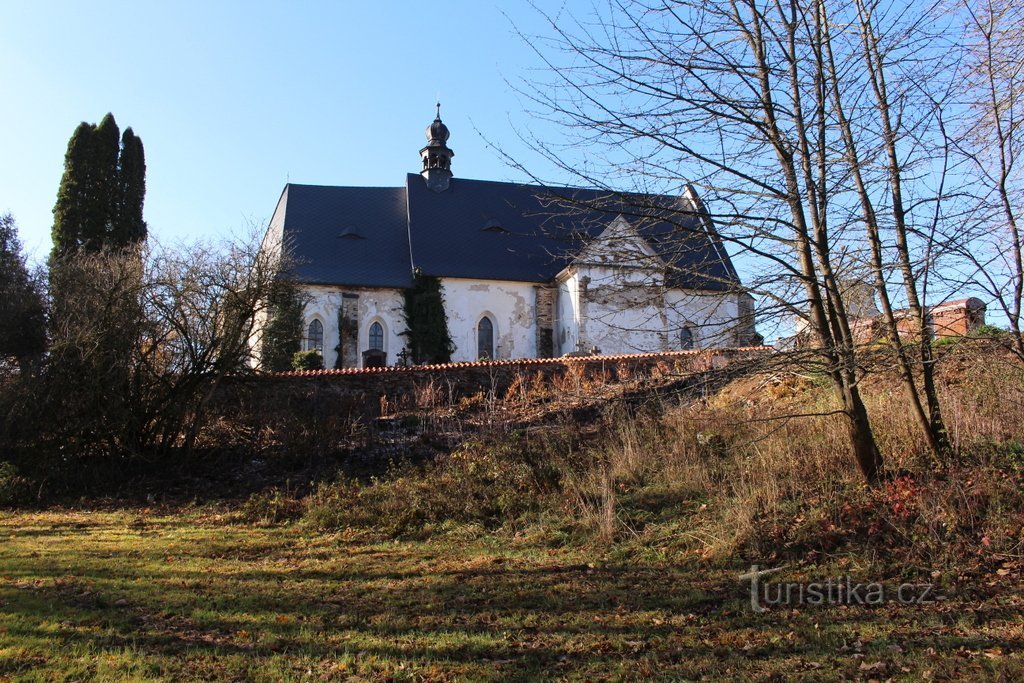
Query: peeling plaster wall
x=616, y=289
x=511, y=307
x=715, y=316
x=623, y=308
x=381, y=305
x=627, y=310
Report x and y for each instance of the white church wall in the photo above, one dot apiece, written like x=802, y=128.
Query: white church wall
x=622, y=309
x=712, y=316
x=509, y=305
x=567, y=322
x=380, y=305
x=615, y=310
x=271, y=246
x=618, y=302
x=627, y=310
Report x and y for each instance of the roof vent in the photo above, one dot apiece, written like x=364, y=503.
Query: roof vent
x=350, y=233
x=493, y=225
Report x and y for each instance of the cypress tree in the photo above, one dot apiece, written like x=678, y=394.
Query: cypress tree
x=426, y=321
x=101, y=195
x=130, y=227
x=105, y=195
x=72, y=209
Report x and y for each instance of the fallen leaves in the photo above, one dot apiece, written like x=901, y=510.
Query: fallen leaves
x=437, y=611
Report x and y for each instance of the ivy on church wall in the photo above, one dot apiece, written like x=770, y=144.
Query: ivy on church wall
x=426, y=321
x=348, y=331
x=282, y=334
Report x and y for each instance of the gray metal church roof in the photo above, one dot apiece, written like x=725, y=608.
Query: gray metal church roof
x=356, y=236
x=374, y=237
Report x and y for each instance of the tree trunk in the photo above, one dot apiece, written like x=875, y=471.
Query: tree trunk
x=862, y=439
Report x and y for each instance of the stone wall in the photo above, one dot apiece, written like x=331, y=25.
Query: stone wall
x=314, y=407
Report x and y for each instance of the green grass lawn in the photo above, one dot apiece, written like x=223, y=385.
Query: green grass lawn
x=132, y=596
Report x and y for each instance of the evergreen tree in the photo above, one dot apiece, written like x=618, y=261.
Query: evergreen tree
x=105, y=193
x=426, y=321
x=130, y=227
x=101, y=195
x=282, y=335
x=22, y=312
x=73, y=208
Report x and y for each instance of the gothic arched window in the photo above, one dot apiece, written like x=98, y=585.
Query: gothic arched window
x=377, y=336
x=485, y=339
x=315, y=336
x=686, y=338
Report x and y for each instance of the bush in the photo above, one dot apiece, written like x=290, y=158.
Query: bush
x=139, y=340
x=987, y=332
x=308, y=360
x=979, y=332
x=488, y=485
x=273, y=506
x=282, y=334
x=14, y=488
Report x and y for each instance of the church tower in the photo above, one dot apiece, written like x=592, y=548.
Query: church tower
x=437, y=158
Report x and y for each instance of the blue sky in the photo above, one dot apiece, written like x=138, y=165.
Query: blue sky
x=233, y=100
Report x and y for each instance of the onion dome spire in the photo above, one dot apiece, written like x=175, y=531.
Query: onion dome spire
x=437, y=157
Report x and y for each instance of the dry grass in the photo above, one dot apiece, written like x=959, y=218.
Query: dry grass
x=774, y=475
x=563, y=553
x=760, y=470
x=142, y=595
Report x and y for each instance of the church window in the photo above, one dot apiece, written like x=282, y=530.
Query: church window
x=315, y=336
x=377, y=336
x=485, y=339
x=686, y=338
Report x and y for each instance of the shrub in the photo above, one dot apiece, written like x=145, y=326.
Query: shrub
x=979, y=332
x=482, y=484
x=272, y=506
x=282, y=334
x=307, y=360
x=139, y=340
x=987, y=331
x=14, y=488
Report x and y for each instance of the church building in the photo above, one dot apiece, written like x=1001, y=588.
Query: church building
x=525, y=271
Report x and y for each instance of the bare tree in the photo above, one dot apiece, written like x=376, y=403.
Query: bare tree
x=899, y=201
x=735, y=97
x=140, y=343
x=822, y=135
x=203, y=306
x=991, y=139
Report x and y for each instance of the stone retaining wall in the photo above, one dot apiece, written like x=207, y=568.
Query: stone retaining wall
x=329, y=402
